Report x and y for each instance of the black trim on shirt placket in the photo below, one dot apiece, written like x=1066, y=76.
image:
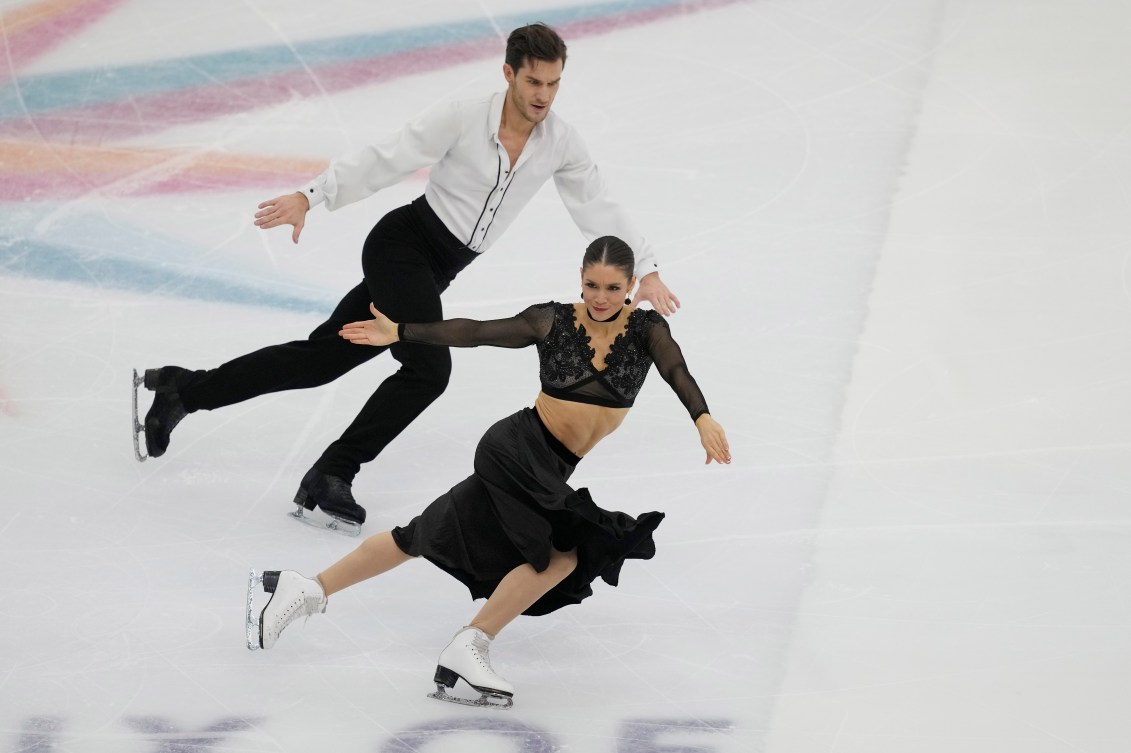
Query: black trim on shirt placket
x=495, y=212
x=498, y=177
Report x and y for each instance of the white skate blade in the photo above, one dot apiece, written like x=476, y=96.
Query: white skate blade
x=484, y=701
x=320, y=519
x=139, y=430
x=253, y=579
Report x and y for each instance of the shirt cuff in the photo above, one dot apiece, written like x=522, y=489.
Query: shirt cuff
x=313, y=193
x=646, y=262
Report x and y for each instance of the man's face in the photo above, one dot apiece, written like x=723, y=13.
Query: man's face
x=532, y=88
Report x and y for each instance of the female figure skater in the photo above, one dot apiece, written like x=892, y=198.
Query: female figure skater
x=515, y=531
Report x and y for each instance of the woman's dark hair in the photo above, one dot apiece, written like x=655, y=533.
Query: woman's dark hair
x=534, y=42
x=610, y=250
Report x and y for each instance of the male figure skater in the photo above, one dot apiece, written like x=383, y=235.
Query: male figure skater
x=488, y=158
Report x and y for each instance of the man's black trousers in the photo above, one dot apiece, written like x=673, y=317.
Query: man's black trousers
x=408, y=260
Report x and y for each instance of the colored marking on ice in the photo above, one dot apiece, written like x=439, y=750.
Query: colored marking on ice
x=46, y=261
x=58, y=170
x=30, y=31
x=99, y=103
x=7, y=405
x=122, y=118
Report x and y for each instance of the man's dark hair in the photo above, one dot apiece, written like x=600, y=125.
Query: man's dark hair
x=534, y=42
x=612, y=251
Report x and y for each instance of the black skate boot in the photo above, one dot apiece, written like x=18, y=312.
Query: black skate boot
x=166, y=378
x=334, y=497
x=166, y=411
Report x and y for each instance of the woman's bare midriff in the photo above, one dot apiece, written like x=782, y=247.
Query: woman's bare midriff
x=578, y=426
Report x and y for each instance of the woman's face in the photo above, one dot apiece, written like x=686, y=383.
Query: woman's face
x=604, y=288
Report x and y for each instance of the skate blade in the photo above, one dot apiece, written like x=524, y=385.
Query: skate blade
x=328, y=522
x=484, y=701
x=253, y=579
x=139, y=430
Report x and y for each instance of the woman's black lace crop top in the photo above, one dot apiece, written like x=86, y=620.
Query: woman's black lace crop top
x=565, y=358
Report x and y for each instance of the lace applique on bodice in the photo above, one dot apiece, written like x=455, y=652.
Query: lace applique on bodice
x=566, y=360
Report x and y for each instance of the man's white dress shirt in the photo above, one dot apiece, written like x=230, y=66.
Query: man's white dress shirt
x=472, y=186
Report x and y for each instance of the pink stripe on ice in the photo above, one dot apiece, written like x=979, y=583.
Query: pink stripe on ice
x=33, y=30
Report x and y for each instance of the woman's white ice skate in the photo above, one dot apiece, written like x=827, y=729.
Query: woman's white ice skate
x=292, y=596
x=466, y=658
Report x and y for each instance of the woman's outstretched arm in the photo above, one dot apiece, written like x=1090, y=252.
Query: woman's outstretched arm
x=526, y=328
x=668, y=357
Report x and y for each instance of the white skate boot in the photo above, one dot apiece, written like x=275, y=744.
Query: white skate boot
x=292, y=596
x=466, y=659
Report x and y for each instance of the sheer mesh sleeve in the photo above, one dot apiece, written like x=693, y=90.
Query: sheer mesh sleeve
x=669, y=362
x=528, y=327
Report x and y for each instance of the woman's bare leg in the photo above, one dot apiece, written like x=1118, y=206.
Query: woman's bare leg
x=376, y=555
x=519, y=589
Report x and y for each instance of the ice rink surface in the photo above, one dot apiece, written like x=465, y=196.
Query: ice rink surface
x=900, y=233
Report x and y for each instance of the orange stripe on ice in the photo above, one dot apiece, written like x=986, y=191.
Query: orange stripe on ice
x=19, y=156
x=69, y=169
x=36, y=169
x=28, y=17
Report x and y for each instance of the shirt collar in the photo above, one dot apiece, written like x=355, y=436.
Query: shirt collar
x=495, y=114
x=495, y=120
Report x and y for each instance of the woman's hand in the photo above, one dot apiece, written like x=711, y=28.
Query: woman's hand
x=714, y=439
x=380, y=330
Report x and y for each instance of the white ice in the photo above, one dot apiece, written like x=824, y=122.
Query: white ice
x=900, y=233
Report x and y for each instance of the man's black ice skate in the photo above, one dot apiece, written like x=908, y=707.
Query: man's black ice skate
x=165, y=413
x=334, y=497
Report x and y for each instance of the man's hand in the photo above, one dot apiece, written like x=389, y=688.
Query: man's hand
x=653, y=290
x=290, y=209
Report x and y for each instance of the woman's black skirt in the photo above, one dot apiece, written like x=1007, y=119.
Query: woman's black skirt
x=514, y=508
